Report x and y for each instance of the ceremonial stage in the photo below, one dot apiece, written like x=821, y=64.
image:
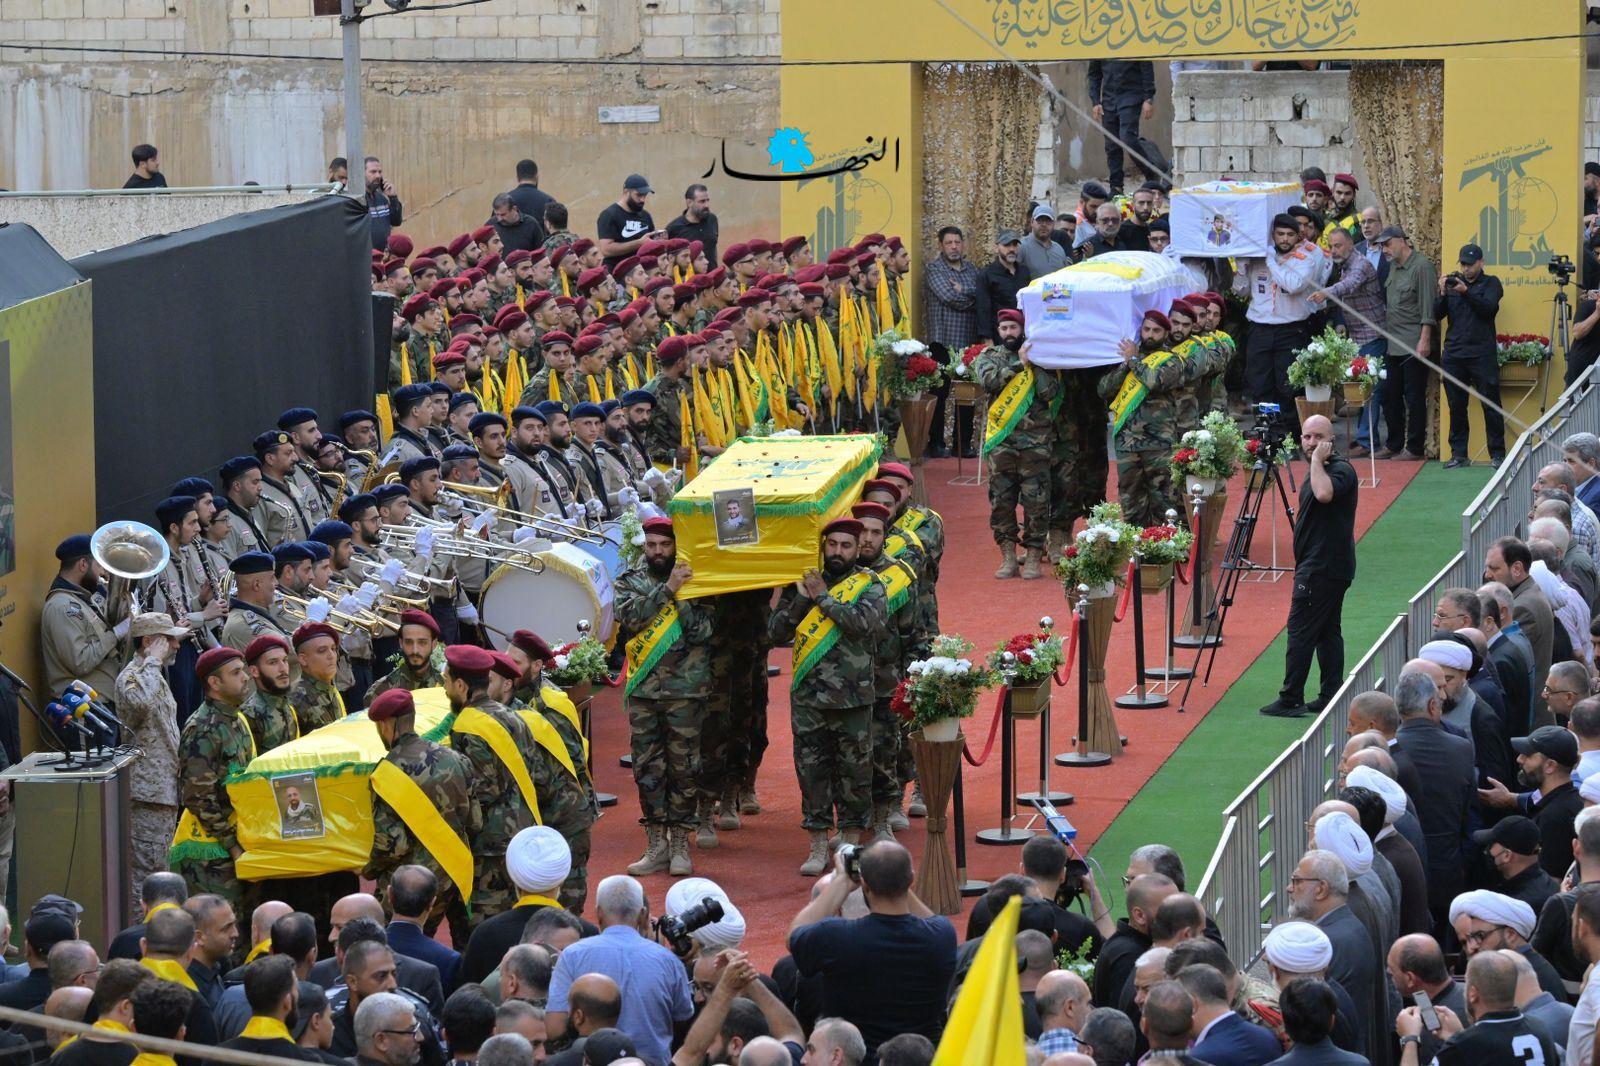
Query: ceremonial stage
x=756, y=864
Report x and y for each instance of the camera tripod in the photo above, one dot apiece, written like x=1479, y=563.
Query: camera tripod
x=1560, y=324
x=1266, y=475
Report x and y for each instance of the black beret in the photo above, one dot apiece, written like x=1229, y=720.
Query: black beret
x=483, y=420
x=461, y=399
x=384, y=493
x=416, y=467
x=520, y=415
x=350, y=418
x=587, y=410
x=289, y=553
x=172, y=509
x=332, y=532
x=194, y=486
x=459, y=451
x=251, y=563
x=73, y=548
x=635, y=396
x=296, y=416
x=352, y=507
x=266, y=442
x=235, y=468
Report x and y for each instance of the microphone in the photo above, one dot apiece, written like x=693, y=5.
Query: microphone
x=86, y=707
x=61, y=716
x=6, y=672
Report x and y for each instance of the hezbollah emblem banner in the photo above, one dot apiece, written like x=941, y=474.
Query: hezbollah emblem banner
x=753, y=517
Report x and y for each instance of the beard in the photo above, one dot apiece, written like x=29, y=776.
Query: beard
x=1530, y=781
x=836, y=567
x=272, y=687
x=1011, y=343
x=615, y=435
x=1297, y=910
x=417, y=664
x=560, y=443
x=1150, y=346
x=660, y=568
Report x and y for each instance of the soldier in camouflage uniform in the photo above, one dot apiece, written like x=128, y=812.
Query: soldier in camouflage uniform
x=1019, y=457
x=419, y=635
x=556, y=348
x=315, y=697
x=1144, y=439
x=908, y=638
x=1200, y=362
x=663, y=437
x=1212, y=391
x=715, y=727
x=268, y=711
x=428, y=338
x=743, y=624
x=1079, y=464
x=832, y=692
x=442, y=775
x=492, y=782
x=214, y=744
x=668, y=681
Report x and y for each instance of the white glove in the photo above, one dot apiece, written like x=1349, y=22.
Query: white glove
x=595, y=508
x=630, y=498
x=424, y=542
x=120, y=630
x=449, y=504
x=655, y=477
x=349, y=605
x=467, y=613
x=393, y=571
x=524, y=533
x=481, y=524
x=367, y=594
x=317, y=610
x=649, y=510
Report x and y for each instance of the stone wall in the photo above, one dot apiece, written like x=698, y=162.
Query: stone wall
x=267, y=105
x=1266, y=125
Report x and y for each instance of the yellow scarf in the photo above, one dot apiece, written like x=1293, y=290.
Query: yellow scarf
x=686, y=439
x=647, y=647
x=594, y=389
x=1010, y=407
x=566, y=284
x=476, y=723
x=151, y=1058
x=516, y=381
x=259, y=950
x=533, y=899
x=817, y=634
x=849, y=342
x=158, y=908
x=547, y=737
x=422, y=818
x=1132, y=391
x=260, y=1027
x=170, y=970
x=522, y=303
x=553, y=384
x=105, y=1025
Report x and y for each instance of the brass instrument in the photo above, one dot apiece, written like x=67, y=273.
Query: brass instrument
x=130, y=552
x=366, y=620
x=543, y=523
x=340, y=484
x=380, y=475
x=446, y=544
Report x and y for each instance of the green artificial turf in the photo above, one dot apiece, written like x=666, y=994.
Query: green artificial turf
x=1181, y=804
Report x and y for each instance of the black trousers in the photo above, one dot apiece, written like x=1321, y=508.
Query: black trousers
x=941, y=395
x=1405, y=402
x=1314, y=627
x=1482, y=372
x=1268, y=354
x=1121, y=117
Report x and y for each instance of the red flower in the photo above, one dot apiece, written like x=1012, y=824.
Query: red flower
x=900, y=703
x=920, y=366
x=1252, y=446
x=1185, y=455
x=1071, y=552
x=972, y=352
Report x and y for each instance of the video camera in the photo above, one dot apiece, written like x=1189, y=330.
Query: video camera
x=1074, y=884
x=674, y=929
x=1561, y=268
x=1268, y=428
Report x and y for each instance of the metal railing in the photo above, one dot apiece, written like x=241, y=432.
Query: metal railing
x=1263, y=829
x=317, y=189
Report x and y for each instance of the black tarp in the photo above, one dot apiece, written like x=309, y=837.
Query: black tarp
x=29, y=267
x=203, y=337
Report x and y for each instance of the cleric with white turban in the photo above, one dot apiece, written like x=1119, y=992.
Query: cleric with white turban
x=1338, y=832
x=1494, y=908
x=1298, y=948
x=726, y=932
x=1451, y=654
x=1394, y=797
x=538, y=860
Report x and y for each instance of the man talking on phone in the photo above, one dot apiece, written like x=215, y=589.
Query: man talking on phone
x=1324, y=566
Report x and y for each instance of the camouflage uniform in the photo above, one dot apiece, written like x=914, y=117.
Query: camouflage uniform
x=1144, y=444
x=575, y=803
x=1019, y=467
x=666, y=707
x=271, y=719
x=907, y=638
x=1212, y=393
x=215, y=743
x=831, y=707
x=538, y=390
x=442, y=775
x=316, y=703
x=416, y=349
x=1078, y=460
x=665, y=429
x=505, y=813
x=557, y=239
x=742, y=620
x=403, y=677
x=716, y=725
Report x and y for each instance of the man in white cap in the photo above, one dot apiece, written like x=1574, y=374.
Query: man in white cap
x=725, y=932
x=1413, y=916
x=1335, y=829
x=1300, y=949
x=1460, y=707
x=537, y=860
x=1490, y=921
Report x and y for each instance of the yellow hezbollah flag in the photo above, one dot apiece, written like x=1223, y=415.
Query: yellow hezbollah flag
x=985, y=1026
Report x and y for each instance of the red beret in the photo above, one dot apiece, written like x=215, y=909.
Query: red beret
x=482, y=233
x=712, y=330
x=590, y=278
x=661, y=527
x=488, y=264
x=894, y=242
x=593, y=329
x=505, y=666
x=652, y=248
x=467, y=660
x=509, y=319
x=649, y=262
x=586, y=344
x=841, y=255
x=464, y=318
x=313, y=630
x=1180, y=306
x=582, y=246
x=879, y=484
x=433, y=252
x=792, y=245
x=457, y=246
x=701, y=282
x=870, y=239
x=814, y=272
x=871, y=510
x=620, y=271
x=420, y=618
x=441, y=287
x=1212, y=298
x=1010, y=314
x=1316, y=186
x=810, y=289
x=533, y=644
x=421, y=263
x=695, y=248
x=555, y=337
x=691, y=341
x=848, y=526
x=655, y=285
x=638, y=307
x=399, y=244
x=211, y=659
x=559, y=253
x=536, y=299
x=449, y=358
x=675, y=244
x=475, y=275
x=837, y=271
x=1158, y=318
x=393, y=267
x=769, y=281
x=735, y=252
x=391, y=703
x=758, y=246
x=728, y=314
x=518, y=255
x=627, y=317
x=416, y=305
x=1347, y=179
x=263, y=644
x=865, y=259
x=752, y=297
x=717, y=276
x=899, y=470
x=671, y=350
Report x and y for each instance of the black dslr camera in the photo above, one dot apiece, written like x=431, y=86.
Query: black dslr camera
x=1268, y=428
x=674, y=929
x=1561, y=268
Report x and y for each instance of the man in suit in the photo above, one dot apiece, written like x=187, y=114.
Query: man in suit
x=1509, y=561
x=1309, y=1009
x=1296, y=950
x=1581, y=452
x=1510, y=653
x=1220, y=1035
x=1167, y=1021
x=1448, y=781
x=1319, y=892
x=1412, y=916
x=411, y=894
x=359, y=924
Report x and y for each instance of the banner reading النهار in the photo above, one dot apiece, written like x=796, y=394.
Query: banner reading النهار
x=1077, y=316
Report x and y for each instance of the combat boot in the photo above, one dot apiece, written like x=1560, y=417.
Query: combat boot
x=850, y=836
x=1008, y=561
x=729, y=816
x=1055, y=544
x=749, y=803
x=917, y=808
x=817, y=861
x=654, y=859
x=706, y=835
x=880, y=823
x=1030, y=564
x=897, y=816
x=678, y=843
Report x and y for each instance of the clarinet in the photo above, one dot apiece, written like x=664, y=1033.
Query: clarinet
x=208, y=638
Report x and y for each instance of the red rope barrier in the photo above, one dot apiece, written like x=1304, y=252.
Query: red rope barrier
x=1127, y=592
x=1183, y=572
x=1072, y=653
x=994, y=731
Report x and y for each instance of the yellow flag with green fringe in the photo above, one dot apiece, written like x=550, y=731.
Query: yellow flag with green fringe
x=985, y=1026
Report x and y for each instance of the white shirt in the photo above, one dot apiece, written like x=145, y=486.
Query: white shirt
x=1568, y=606
x=1588, y=763
x=1279, y=285
x=1580, y=1035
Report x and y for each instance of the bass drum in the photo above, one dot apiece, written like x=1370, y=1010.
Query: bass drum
x=610, y=552
x=574, y=586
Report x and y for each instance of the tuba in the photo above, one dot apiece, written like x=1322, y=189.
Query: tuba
x=130, y=552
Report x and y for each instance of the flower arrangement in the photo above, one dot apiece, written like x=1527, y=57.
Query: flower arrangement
x=963, y=369
x=761, y=429
x=1322, y=362
x=1365, y=370
x=632, y=530
x=1078, y=961
x=1529, y=349
x=905, y=368
x=1212, y=451
x=1027, y=658
x=1159, y=545
x=1099, y=555
x=580, y=661
x=944, y=685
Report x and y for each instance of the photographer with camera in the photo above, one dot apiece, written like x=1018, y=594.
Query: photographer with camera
x=1057, y=880
x=1470, y=299
x=888, y=972
x=1324, y=566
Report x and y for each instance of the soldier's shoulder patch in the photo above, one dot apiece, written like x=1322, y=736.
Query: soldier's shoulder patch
x=74, y=609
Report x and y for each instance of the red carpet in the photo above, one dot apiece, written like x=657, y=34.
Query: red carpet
x=757, y=864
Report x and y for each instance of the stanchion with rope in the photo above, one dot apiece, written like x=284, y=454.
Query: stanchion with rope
x=1139, y=695
x=1005, y=834
x=966, y=886
x=1044, y=791
x=1083, y=756
x=1168, y=675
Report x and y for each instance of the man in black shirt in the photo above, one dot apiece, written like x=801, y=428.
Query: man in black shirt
x=1500, y=1034
x=1325, y=564
x=519, y=231
x=1585, y=335
x=623, y=226
x=1545, y=759
x=526, y=194
x=999, y=282
x=146, y=169
x=1470, y=299
x=697, y=223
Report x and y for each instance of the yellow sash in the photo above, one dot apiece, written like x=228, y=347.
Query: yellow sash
x=911, y=521
x=476, y=723
x=895, y=544
x=532, y=898
x=1008, y=408
x=158, y=908
x=419, y=814
x=652, y=642
x=1133, y=392
x=263, y=1028
x=548, y=738
x=816, y=633
x=259, y=950
x=897, y=580
x=109, y=1026
x=558, y=701
x=170, y=970
x=190, y=831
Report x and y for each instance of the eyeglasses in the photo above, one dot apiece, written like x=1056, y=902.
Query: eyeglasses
x=1477, y=938
x=1296, y=880
x=415, y=1032
x=1548, y=691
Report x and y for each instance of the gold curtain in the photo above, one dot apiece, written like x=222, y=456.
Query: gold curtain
x=1398, y=109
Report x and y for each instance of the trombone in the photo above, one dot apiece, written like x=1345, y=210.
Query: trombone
x=543, y=523
x=295, y=607
x=489, y=551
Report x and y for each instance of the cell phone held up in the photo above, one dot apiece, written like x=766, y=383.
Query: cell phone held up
x=1430, y=1017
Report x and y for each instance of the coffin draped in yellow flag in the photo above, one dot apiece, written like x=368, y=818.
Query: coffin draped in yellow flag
x=985, y=1026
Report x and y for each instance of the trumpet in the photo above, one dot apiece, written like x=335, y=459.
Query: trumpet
x=544, y=523
x=489, y=551
x=297, y=605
